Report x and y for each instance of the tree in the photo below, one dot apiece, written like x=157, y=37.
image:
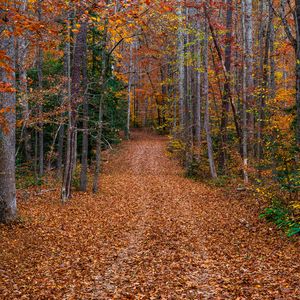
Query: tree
x=247, y=77
x=130, y=70
x=76, y=94
x=206, y=97
x=8, y=206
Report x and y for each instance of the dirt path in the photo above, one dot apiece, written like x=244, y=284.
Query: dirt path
x=151, y=234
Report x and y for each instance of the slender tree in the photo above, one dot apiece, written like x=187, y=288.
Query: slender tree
x=181, y=69
x=206, y=97
x=85, y=123
x=76, y=94
x=127, y=128
x=248, y=85
x=39, y=62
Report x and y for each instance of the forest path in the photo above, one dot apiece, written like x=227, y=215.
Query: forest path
x=150, y=234
x=184, y=240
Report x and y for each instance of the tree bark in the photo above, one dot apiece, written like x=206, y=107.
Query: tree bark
x=60, y=149
x=40, y=104
x=248, y=84
x=23, y=90
x=198, y=125
x=227, y=90
x=40, y=113
x=181, y=69
x=85, y=125
x=8, y=205
x=127, y=128
x=213, y=171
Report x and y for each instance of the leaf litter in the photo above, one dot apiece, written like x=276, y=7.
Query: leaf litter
x=149, y=234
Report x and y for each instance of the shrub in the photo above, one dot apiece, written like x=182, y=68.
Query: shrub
x=282, y=218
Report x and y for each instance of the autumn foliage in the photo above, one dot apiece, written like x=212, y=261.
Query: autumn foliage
x=220, y=78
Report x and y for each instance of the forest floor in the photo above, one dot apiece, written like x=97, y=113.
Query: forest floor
x=150, y=233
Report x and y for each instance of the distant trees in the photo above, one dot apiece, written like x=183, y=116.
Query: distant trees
x=226, y=97
x=243, y=72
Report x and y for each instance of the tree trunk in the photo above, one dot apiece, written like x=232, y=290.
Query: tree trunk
x=247, y=78
x=40, y=113
x=206, y=97
x=181, y=69
x=40, y=105
x=272, y=83
x=260, y=100
x=227, y=90
x=85, y=124
x=127, y=128
x=198, y=126
x=8, y=205
x=23, y=90
x=60, y=149
x=73, y=102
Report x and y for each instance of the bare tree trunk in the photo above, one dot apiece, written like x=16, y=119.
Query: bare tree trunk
x=23, y=91
x=263, y=59
x=227, y=90
x=135, y=87
x=40, y=105
x=247, y=78
x=145, y=120
x=127, y=128
x=206, y=97
x=75, y=149
x=8, y=205
x=60, y=149
x=40, y=112
x=198, y=126
x=272, y=83
x=61, y=135
x=188, y=126
x=181, y=68
x=36, y=158
x=67, y=172
x=85, y=135
x=50, y=156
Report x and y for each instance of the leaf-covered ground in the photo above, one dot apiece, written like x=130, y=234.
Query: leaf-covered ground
x=149, y=234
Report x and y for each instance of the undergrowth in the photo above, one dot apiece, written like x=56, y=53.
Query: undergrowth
x=282, y=217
